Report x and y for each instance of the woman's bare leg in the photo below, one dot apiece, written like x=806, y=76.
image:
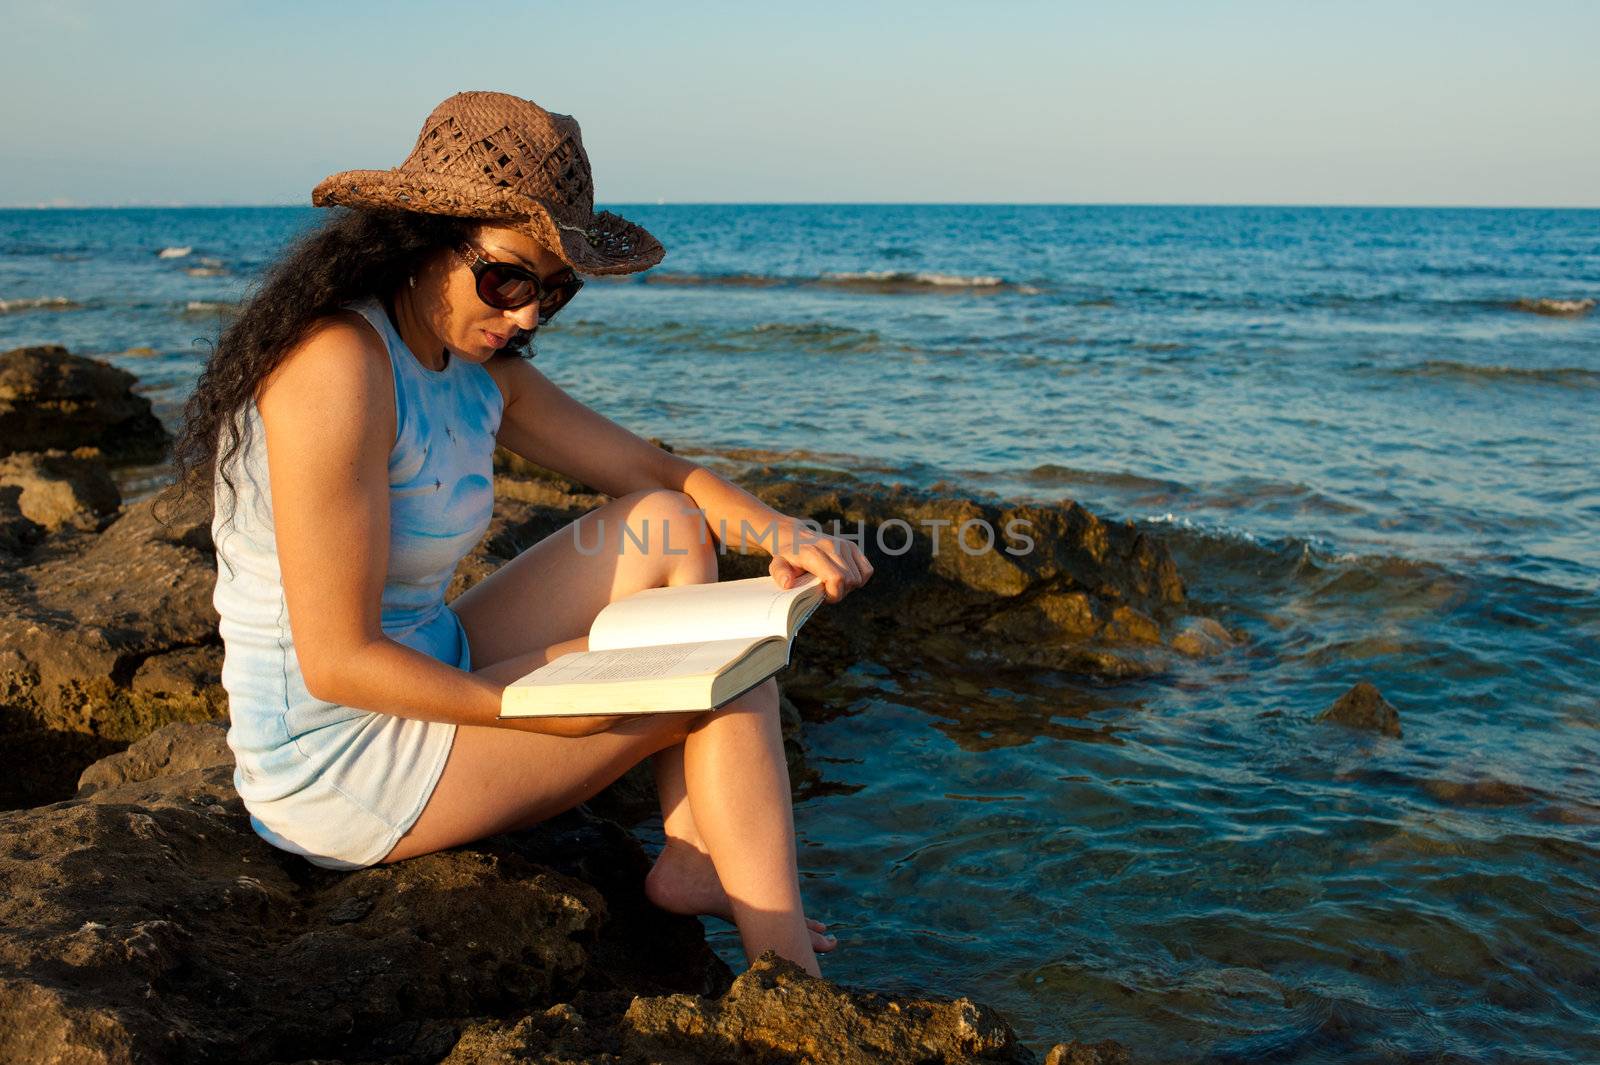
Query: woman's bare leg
x=501, y=779
x=738, y=785
x=683, y=878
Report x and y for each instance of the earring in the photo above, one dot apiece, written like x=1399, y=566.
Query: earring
x=413, y=280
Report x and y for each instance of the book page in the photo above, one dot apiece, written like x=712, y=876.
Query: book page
x=655, y=662
x=749, y=608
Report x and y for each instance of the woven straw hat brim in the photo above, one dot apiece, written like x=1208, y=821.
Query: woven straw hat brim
x=606, y=243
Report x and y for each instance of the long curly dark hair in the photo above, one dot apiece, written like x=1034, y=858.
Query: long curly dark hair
x=355, y=253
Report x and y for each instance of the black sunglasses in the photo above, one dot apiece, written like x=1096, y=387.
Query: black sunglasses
x=507, y=286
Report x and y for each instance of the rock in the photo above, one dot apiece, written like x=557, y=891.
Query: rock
x=143, y=920
x=1480, y=790
x=1202, y=637
x=148, y=923
x=1573, y=308
x=60, y=488
x=1105, y=1052
x=186, y=671
x=175, y=748
x=776, y=1011
x=109, y=636
x=50, y=398
x=18, y=532
x=1364, y=707
x=42, y=764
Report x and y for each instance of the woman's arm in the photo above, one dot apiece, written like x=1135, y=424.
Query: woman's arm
x=329, y=415
x=544, y=424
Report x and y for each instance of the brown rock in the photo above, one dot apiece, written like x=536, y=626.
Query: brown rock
x=1558, y=308
x=1133, y=625
x=1073, y=613
x=97, y=633
x=18, y=532
x=1201, y=637
x=186, y=671
x=1105, y=1052
x=171, y=749
x=59, y=488
x=1364, y=707
x=777, y=1012
x=50, y=398
x=145, y=921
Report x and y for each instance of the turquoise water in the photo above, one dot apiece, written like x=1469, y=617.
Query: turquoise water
x=1363, y=452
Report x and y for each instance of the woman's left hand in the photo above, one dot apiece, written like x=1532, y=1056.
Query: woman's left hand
x=838, y=562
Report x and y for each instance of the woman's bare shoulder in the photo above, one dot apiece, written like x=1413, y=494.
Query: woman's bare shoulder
x=341, y=344
x=338, y=367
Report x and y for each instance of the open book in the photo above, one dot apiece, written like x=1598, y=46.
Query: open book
x=692, y=647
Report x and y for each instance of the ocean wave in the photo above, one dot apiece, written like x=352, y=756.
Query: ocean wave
x=38, y=303
x=209, y=308
x=883, y=282
x=174, y=253
x=1555, y=308
x=1577, y=376
x=920, y=280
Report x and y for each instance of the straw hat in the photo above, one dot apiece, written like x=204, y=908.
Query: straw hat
x=498, y=157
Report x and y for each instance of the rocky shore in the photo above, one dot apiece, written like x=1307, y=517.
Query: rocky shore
x=146, y=922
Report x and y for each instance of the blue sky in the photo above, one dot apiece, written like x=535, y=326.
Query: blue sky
x=1135, y=102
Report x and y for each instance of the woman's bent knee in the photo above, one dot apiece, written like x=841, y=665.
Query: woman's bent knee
x=763, y=698
x=659, y=506
x=669, y=526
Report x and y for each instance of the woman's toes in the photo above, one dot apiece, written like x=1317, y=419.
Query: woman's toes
x=821, y=941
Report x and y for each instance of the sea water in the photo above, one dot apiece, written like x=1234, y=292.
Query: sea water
x=1363, y=443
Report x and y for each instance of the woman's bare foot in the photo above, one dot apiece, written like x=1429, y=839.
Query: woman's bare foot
x=683, y=880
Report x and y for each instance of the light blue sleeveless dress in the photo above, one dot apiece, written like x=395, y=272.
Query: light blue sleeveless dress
x=338, y=784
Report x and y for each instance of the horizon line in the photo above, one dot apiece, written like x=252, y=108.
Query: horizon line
x=862, y=203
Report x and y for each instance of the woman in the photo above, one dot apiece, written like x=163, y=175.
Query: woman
x=363, y=389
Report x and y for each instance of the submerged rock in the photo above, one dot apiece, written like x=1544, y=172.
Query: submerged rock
x=143, y=920
x=1201, y=637
x=1105, y=1052
x=50, y=398
x=1570, y=308
x=1364, y=707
